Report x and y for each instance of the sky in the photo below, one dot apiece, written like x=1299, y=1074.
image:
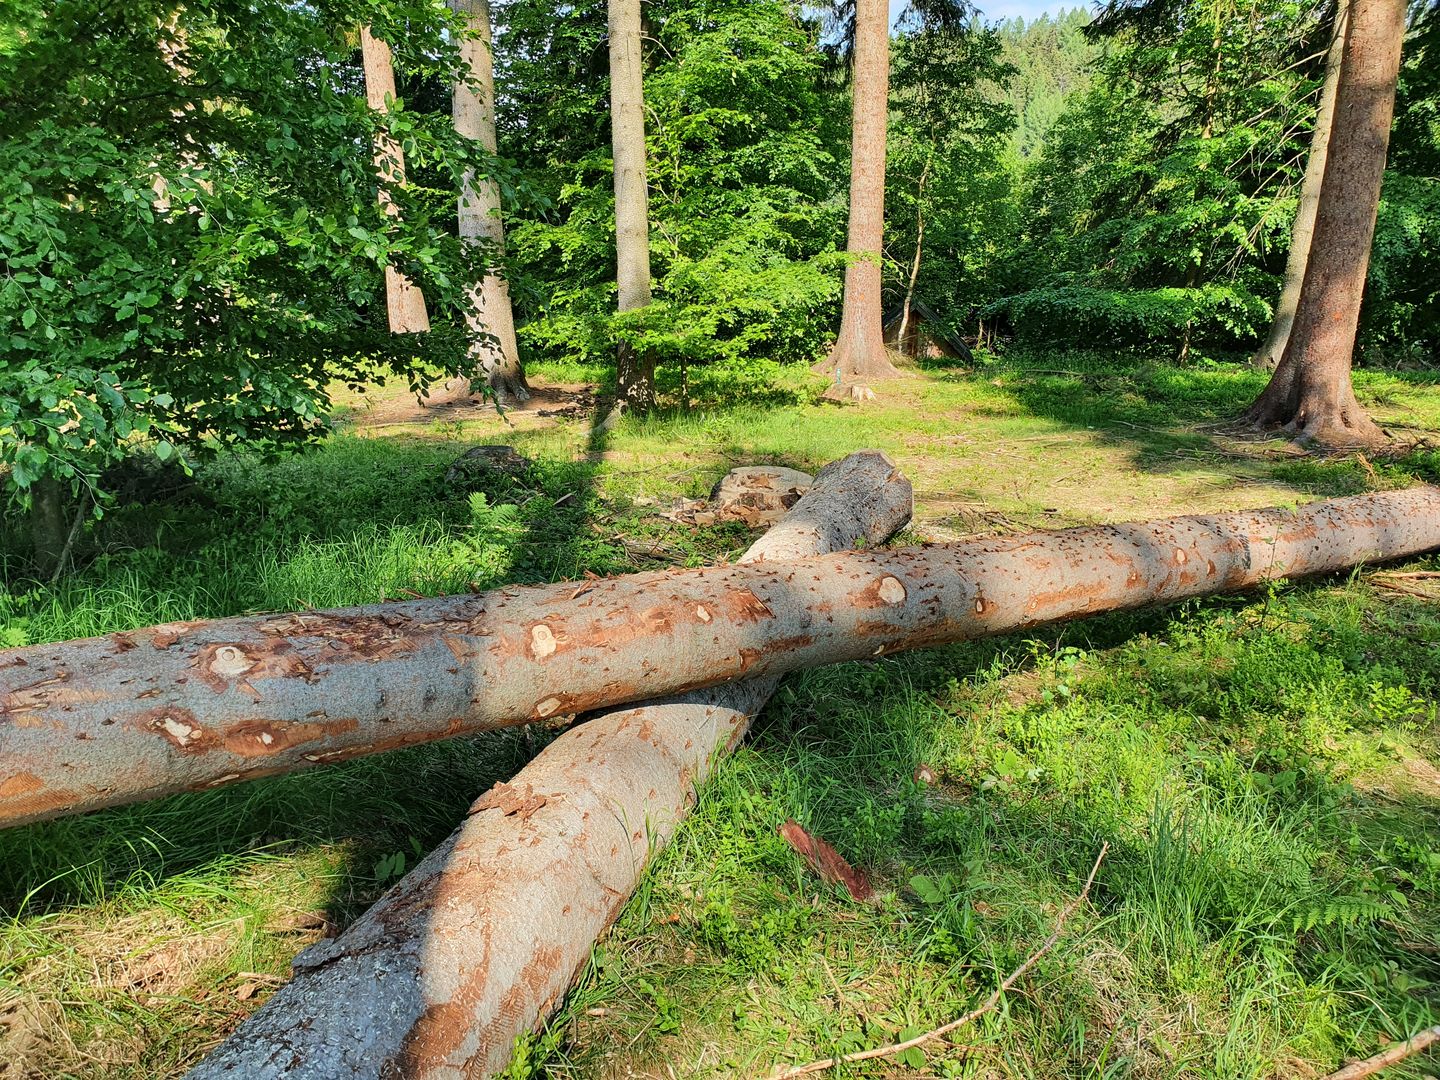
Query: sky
x=1004, y=9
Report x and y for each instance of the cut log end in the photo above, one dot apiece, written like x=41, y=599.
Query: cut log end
x=849, y=394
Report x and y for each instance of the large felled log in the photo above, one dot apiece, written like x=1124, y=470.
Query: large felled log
x=443, y=973
x=132, y=716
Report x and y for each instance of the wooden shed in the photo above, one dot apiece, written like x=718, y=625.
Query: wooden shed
x=925, y=336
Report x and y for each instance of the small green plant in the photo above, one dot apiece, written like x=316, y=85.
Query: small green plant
x=1007, y=771
x=1397, y=705
x=392, y=867
x=912, y=1057
x=529, y=1055
x=933, y=890
x=389, y=868
x=667, y=1012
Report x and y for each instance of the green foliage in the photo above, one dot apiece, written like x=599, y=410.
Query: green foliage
x=192, y=246
x=667, y=1014
x=948, y=171
x=1401, y=313
x=1052, y=61
x=1214, y=315
x=1173, y=172
x=745, y=202
x=1177, y=169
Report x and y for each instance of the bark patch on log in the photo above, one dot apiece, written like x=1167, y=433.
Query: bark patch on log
x=510, y=800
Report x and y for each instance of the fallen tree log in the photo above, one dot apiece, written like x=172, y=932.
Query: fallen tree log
x=442, y=974
x=137, y=715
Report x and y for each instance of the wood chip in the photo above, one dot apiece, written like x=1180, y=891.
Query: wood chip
x=826, y=861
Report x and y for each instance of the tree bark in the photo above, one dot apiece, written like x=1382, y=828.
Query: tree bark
x=404, y=302
x=859, y=351
x=190, y=706
x=445, y=971
x=48, y=529
x=1310, y=396
x=491, y=320
x=635, y=369
x=1267, y=357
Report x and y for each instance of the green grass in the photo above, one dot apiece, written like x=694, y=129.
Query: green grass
x=1267, y=901
x=1264, y=767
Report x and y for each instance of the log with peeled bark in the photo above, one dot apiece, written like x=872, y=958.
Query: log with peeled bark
x=446, y=970
x=187, y=706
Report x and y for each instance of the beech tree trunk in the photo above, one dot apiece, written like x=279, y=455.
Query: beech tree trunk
x=445, y=971
x=1267, y=357
x=1310, y=396
x=490, y=318
x=859, y=352
x=190, y=706
x=404, y=302
x=635, y=369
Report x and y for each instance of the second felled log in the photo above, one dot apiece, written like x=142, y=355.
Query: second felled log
x=447, y=969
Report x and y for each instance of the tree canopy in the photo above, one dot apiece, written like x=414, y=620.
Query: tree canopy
x=193, y=246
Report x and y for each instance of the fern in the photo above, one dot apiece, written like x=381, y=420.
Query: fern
x=1346, y=912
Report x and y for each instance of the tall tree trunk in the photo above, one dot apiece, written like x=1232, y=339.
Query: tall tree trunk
x=635, y=370
x=192, y=706
x=1267, y=357
x=490, y=318
x=859, y=351
x=404, y=302
x=1310, y=395
x=48, y=525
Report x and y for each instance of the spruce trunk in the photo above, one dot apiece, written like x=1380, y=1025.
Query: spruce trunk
x=1310, y=396
x=859, y=352
x=1267, y=357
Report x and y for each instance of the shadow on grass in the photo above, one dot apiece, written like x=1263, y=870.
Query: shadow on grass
x=1168, y=417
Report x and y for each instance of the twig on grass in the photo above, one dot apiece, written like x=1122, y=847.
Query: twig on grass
x=1408, y=590
x=974, y=1014
x=1389, y=1056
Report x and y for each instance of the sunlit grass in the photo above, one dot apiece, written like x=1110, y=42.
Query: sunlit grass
x=1263, y=767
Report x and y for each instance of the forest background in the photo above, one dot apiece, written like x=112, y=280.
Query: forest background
x=1126, y=183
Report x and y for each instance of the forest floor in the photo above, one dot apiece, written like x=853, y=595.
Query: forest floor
x=1263, y=767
